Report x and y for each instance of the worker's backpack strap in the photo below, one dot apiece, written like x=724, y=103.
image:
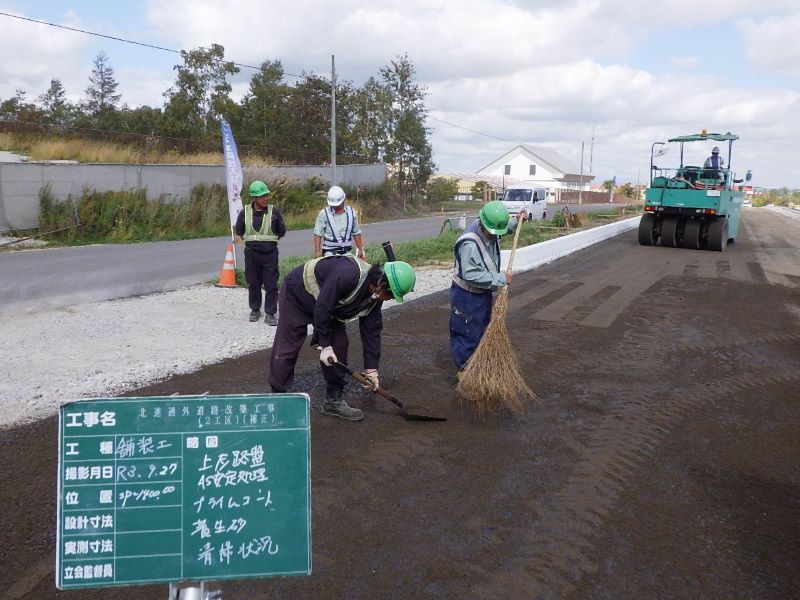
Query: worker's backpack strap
x=486, y=257
x=346, y=239
x=312, y=285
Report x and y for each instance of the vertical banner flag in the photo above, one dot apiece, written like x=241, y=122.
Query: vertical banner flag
x=233, y=172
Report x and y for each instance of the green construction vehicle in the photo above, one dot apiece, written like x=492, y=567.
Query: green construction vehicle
x=693, y=207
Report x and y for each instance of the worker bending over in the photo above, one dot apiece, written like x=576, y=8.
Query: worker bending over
x=337, y=227
x=327, y=292
x=476, y=274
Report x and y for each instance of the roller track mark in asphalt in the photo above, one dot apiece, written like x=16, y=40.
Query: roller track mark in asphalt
x=381, y=465
x=757, y=273
x=777, y=265
x=543, y=297
x=558, y=551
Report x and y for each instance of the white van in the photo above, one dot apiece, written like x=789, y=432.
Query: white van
x=524, y=195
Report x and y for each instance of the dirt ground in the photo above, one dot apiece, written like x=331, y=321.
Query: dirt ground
x=661, y=461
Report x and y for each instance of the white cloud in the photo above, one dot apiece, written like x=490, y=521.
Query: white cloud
x=773, y=44
x=542, y=72
x=33, y=54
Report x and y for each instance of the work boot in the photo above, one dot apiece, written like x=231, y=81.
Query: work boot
x=255, y=315
x=270, y=320
x=334, y=405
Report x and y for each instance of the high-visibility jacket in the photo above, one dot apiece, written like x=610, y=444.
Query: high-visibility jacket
x=264, y=234
x=312, y=285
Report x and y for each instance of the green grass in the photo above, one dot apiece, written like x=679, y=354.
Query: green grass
x=433, y=251
x=468, y=206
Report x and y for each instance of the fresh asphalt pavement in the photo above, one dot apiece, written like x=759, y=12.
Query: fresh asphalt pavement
x=36, y=280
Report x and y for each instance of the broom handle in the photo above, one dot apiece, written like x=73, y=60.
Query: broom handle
x=514, y=247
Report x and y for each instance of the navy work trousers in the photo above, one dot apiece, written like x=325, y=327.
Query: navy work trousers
x=297, y=313
x=469, y=315
x=261, y=270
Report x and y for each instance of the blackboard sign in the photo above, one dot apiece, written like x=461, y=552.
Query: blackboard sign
x=165, y=489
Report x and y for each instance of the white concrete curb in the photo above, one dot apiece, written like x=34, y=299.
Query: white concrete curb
x=783, y=210
x=530, y=257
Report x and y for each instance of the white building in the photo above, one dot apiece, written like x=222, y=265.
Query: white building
x=544, y=167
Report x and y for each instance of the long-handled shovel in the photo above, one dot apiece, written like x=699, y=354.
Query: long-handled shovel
x=407, y=413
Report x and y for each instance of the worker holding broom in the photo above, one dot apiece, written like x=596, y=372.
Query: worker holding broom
x=476, y=274
x=327, y=292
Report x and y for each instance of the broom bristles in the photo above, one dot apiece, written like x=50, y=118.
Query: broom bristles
x=491, y=381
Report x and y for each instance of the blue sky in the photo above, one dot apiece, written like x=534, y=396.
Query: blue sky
x=539, y=72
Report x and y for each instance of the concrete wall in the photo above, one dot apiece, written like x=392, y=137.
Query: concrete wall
x=20, y=183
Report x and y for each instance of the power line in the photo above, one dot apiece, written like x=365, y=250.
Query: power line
x=489, y=135
x=119, y=39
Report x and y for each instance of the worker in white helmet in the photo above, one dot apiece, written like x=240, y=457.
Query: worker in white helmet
x=337, y=228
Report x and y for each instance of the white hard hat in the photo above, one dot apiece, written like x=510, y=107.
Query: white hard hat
x=335, y=196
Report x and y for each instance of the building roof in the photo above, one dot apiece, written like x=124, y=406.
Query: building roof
x=557, y=162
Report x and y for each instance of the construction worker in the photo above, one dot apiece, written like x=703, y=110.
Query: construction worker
x=327, y=292
x=715, y=161
x=476, y=274
x=713, y=164
x=337, y=227
x=260, y=225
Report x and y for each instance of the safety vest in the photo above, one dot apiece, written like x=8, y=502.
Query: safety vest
x=262, y=235
x=334, y=240
x=471, y=234
x=312, y=285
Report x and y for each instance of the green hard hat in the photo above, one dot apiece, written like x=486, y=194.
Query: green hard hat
x=258, y=188
x=401, y=278
x=494, y=217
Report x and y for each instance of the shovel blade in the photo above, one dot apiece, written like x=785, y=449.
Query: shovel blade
x=419, y=413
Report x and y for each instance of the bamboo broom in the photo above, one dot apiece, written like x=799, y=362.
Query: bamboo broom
x=491, y=380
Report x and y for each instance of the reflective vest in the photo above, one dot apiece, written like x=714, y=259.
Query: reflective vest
x=262, y=235
x=312, y=285
x=471, y=234
x=333, y=240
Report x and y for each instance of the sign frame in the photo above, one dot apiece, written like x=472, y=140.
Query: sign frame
x=268, y=434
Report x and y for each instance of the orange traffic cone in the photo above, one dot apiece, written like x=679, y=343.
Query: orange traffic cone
x=227, y=276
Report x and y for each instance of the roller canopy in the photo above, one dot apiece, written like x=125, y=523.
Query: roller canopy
x=717, y=137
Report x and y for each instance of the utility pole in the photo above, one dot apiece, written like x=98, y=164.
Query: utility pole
x=580, y=182
x=333, y=121
x=591, y=151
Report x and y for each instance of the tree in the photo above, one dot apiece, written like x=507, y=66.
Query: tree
x=101, y=101
x=17, y=108
x=57, y=111
x=263, y=117
x=309, y=134
x=408, y=151
x=441, y=189
x=626, y=189
x=608, y=185
x=201, y=94
x=142, y=119
x=481, y=190
x=371, y=109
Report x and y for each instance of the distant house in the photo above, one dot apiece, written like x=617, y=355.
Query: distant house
x=544, y=167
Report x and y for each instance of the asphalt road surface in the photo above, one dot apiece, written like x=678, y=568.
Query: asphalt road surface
x=43, y=279
x=51, y=278
x=659, y=462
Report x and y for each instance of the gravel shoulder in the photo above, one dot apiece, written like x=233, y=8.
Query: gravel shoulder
x=107, y=348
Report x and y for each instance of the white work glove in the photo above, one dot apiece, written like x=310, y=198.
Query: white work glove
x=371, y=375
x=327, y=356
